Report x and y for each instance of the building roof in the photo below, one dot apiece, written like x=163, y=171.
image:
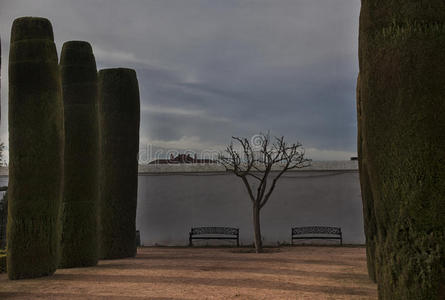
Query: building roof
x=182, y=159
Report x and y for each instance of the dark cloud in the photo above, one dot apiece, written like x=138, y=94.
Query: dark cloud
x=212, y=69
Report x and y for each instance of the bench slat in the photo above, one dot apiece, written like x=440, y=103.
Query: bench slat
x=316, y=232
x=214, y=230
x=317, y=237
x=214, y=238
x=207, y=233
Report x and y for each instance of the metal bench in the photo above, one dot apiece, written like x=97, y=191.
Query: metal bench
x=214, y=233
x=316, y=232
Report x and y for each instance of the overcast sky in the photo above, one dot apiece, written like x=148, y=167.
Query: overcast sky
x=210, y=69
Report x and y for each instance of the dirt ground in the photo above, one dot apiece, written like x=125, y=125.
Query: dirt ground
x=300, y=272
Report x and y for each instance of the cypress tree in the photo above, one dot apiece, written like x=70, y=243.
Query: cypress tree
x=0, y=79
x=81, y=194
x=119, y=113
x=368, y=208
x=36, y=141
x=402, y=92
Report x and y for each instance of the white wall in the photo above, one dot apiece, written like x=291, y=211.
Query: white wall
x=169, y=204
x=171, y=199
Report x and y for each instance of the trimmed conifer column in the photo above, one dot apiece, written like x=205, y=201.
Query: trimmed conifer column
x=81, y=180
x=119, y=113
x=368, y=208
x=402, y=91
x=0, y=79
x=36, y=141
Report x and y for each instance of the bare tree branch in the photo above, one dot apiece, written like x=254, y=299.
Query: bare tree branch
x=259, y=159
x=249, y=189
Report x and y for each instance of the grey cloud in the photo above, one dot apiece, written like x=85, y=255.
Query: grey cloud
x=288, y=66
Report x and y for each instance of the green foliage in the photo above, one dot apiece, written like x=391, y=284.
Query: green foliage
x=397, y=31
x=29, y=28
x=368, y=203
x=3, y=219
x=402, y=128
x=2, y=261
x=81, y=181
x=119, y=114
x=36, y=141
x=0, y=73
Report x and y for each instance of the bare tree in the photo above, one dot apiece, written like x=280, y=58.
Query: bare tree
x=260, y=162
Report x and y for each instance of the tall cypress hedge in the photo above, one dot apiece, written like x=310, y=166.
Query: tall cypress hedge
x=119, y=113
x=0, y=78
x=368, y=207
x=81, y=180
x=36, y=141
x=402, y=91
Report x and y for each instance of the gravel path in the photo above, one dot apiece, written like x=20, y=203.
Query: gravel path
x=209, y=273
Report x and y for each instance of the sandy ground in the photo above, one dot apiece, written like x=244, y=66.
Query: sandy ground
x=209, y=273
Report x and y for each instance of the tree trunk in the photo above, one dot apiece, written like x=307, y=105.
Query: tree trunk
x=257, y=229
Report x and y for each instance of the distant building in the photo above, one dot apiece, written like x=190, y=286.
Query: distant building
x=182, y=159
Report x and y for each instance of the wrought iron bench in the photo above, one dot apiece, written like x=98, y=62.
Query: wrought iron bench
x=214, y=233
x=316, y=232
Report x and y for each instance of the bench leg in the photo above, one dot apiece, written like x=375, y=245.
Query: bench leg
x=237, y=241
x=190, y=241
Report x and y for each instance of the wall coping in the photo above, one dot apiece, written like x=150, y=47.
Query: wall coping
x=336, y=165
x=346, y=165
